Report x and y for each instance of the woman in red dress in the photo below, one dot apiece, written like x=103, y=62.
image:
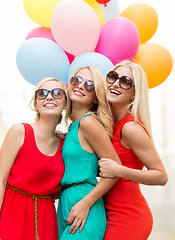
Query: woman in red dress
x=128, y=214
x=31, y=167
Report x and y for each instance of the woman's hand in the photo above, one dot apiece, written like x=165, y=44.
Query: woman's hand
x=109, y=168
x=77, y=216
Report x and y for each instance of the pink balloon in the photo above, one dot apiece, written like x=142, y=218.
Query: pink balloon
x=70, y=57
x=119, y=40
x=46, y=33
x=75, y=26
x=41, y=32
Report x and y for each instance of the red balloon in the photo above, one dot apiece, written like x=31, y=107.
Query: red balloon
x=103, y=1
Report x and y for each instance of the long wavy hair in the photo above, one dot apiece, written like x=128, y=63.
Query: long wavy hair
x=139, y=107
x=101, y=109
x=32, y=103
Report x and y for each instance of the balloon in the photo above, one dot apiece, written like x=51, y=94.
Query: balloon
x=46, y=33
x=41, y=32
x=103, y=1
x=40, y=11
x=144, y=17
x=38, y=58
x=99, y=11
x=156, y=61
x=90, y=2
x=119, y=40
x=70, y=57
x=111, y=10
x=102, y=63
x=75, y=26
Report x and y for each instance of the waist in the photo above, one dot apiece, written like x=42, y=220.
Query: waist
x=35, y=199
x=30, y=195
x=66, y=186
x=123, y=191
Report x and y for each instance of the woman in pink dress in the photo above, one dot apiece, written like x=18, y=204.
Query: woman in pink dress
x=31, y=167
x=128, y=214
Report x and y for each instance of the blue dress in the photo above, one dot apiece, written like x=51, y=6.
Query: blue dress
x=80, y=166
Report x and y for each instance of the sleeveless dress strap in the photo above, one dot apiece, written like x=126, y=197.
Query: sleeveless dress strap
x=90, y=114
x=128, y=118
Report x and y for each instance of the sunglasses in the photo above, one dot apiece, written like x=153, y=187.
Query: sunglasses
x=56, y=93
x=125, y=82
x=88, y=85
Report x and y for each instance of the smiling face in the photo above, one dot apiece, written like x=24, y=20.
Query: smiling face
x=50, y=105
x=118, y=96
x=79, y=93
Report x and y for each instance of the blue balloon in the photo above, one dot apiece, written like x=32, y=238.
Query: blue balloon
x=101, y=62
x=38, y=58
x=111, y=10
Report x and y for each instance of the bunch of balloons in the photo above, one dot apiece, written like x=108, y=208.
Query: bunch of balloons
x=75, y=33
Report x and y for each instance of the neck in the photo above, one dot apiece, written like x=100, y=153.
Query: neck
x=119, y=113
x=47, y=126
x=78, y=111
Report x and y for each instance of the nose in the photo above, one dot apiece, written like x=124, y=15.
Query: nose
x=81, y=85
x=116, y=83
x=49, y=96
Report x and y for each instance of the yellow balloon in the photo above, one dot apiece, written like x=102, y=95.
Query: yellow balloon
x=144, y=17
x=40, y=11
x=156, y=61
x=90, y=2
x=99, y=11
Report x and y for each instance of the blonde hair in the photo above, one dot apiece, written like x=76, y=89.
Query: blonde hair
x=32, y=103
x=101, y=109
x=139, y=108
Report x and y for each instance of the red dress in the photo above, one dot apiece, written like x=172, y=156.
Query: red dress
x=34, y=173
x=128, y=214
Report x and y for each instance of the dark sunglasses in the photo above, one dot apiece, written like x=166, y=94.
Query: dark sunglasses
x=56, y=93
x=88, y=85
x=125, y=82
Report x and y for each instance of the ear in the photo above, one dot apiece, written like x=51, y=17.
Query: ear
x=96, y=101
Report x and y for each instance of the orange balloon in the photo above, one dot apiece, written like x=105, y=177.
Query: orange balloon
x=144, y=17
x=156, y=61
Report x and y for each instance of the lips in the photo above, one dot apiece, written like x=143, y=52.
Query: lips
x=114, y=91
x=50, y=105
x=78, y=93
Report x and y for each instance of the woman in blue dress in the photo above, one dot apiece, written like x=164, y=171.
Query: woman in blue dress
x=81, y=213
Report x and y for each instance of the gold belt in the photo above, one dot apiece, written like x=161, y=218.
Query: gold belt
x=35, y=198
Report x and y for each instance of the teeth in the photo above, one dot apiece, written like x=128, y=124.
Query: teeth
x=115, y=92
x=78, y=93
x=49, y=105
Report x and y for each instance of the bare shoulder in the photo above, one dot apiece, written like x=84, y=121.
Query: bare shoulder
x=134, y=133
x=131, y=128
x=17, y=129
x=16, y=133
x=89, y=123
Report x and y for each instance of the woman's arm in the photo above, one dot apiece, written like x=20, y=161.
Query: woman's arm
x=95, y=135
x=8, y=153
x=134, y=137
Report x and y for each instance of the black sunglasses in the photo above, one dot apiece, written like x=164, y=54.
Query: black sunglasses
x=56, y=93
x=125, y=82
x=88, y=85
